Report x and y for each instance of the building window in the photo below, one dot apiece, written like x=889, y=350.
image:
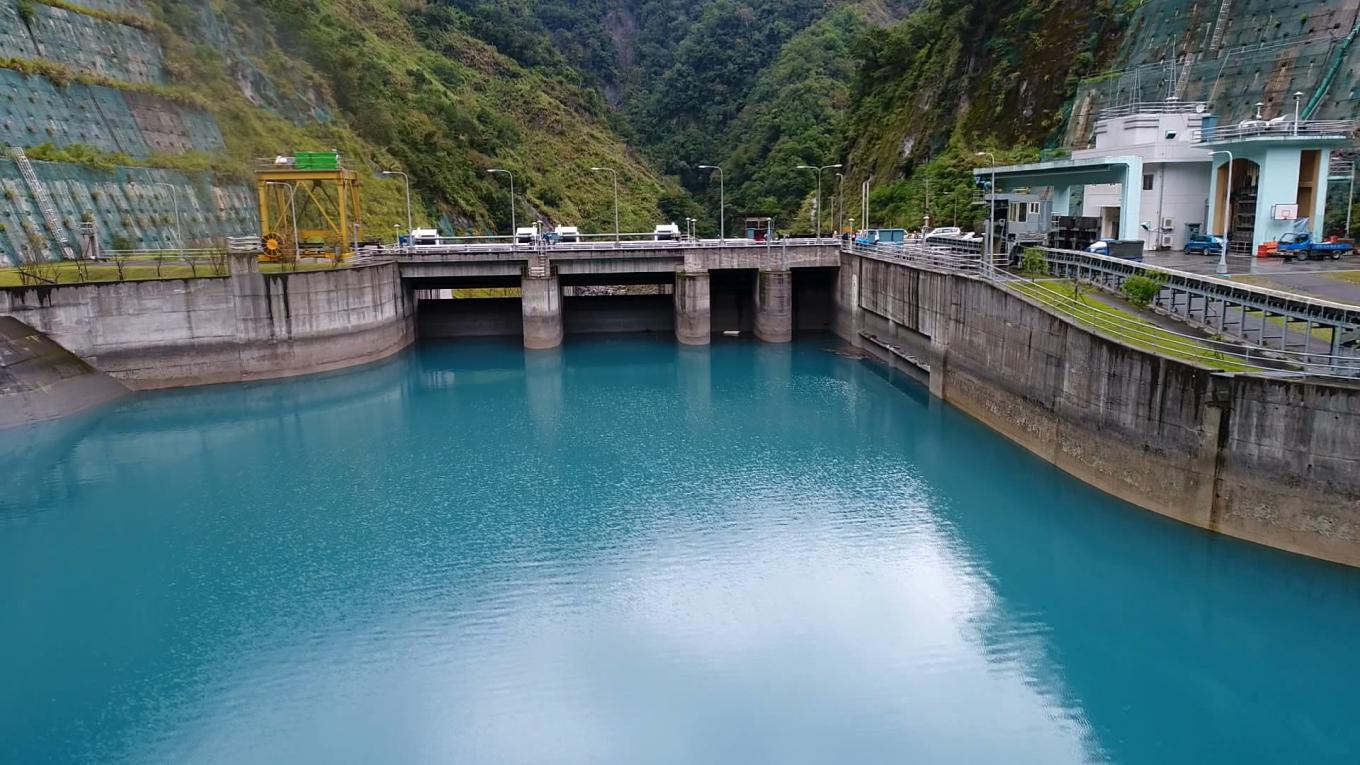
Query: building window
x=1147, y=183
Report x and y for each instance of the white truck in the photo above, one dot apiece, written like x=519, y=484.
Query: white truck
x=566, y=235
x=666, y=232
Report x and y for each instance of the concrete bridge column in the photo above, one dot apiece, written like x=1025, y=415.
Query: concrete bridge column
x=542, y=305
x=693, y=311
x=774, y=306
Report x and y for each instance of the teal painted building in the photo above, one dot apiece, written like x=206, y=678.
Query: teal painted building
x=1278, y=171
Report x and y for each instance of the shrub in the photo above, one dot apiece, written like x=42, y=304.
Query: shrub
x=1140, y=290
x=1034, y=262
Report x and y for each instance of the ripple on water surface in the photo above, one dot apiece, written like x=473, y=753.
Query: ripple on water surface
x=626, y=551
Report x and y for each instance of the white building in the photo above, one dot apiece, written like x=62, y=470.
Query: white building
x=1175, y=178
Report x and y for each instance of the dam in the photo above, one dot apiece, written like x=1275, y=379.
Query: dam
x=904, y=495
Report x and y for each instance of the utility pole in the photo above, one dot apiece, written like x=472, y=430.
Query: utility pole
x=819, y=171
x=722, y=200
x=514, y=229
x=1227, y=217
x=615, y=175
x=991, y=207
x=410, y=224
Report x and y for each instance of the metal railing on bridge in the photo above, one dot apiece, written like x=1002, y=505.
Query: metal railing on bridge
x=447, y=246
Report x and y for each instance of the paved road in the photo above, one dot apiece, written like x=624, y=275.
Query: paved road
x=1312, y=278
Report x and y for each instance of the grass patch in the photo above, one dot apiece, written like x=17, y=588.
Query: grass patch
x=1097, y=315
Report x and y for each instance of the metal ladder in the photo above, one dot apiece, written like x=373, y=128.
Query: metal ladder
x=538, y=264
x=1220, y=28
x=45, y=206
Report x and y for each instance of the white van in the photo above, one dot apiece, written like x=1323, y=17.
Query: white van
x=666, y=232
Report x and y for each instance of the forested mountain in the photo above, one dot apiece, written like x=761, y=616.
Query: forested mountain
x=448, y=89
x=762, y=86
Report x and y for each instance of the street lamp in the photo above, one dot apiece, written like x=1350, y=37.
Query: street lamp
x=292, y=207
x=1298, y=96
x=1227, y=214
x=840, y=203
x=991, y=207
x=722, y=201
x=514, y=229
x=410, y=225
x=615, y=175
x=819, y=171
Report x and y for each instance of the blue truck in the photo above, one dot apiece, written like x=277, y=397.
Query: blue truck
x=1302, y=245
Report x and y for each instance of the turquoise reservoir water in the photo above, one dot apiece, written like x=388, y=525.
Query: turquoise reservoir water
x=629, y=552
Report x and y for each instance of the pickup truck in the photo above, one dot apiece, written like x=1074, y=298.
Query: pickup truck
x=1293, y=246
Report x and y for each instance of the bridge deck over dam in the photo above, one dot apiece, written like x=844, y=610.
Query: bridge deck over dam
x=763, y=271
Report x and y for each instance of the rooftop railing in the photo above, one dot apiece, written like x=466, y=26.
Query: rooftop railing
x=1261, y=129
x=1152, y=107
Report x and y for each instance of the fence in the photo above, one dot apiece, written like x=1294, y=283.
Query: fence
x=1217, y=298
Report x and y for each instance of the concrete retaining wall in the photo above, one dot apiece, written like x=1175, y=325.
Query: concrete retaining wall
x=1271, y=461
x=40, y=380
x=160, y=334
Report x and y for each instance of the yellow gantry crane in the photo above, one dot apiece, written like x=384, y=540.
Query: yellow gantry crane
x=309, y=207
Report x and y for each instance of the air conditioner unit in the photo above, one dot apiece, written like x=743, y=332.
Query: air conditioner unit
x=1168, y=241
x=1168, y=224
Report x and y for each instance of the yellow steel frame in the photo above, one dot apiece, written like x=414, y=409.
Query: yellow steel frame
x=326, y=198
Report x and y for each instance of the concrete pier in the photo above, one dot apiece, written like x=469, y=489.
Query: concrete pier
x=774, y=306
x=693, y=309
x=541, y=302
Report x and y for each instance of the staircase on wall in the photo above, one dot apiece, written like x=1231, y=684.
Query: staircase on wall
x=44, y=200
x=1220, y=28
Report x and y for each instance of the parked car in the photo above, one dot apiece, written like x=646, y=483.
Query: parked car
x=1127, y=249
x=1204, y=244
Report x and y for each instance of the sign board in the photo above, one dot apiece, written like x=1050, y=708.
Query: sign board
x=1285, y=212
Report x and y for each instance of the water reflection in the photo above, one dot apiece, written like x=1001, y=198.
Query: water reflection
x=626, y=551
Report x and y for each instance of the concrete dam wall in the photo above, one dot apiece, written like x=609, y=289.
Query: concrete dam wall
x=40, y=380
x=249, y=326
x=1272, y=461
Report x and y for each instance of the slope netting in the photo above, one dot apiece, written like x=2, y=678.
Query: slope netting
x=81, y=42
x=129, y=207
x=1262, y=51
x=34, y=111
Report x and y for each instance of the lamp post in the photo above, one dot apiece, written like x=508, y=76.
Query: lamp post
x=1298, y=97
x=514, y=229
x=174, y=199
x=1227, y=216
x=292, y=208
x=615, y=176
x=819, y=171
x=722, y=200
x=410, y=225
x=991, y=206
x=840, y=203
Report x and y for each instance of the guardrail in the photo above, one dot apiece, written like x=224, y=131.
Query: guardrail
x=1333, y=129
x=931, y=256
x=447, y=247
x=1152, y=107
x=1206, y=351
x=1214, y=352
